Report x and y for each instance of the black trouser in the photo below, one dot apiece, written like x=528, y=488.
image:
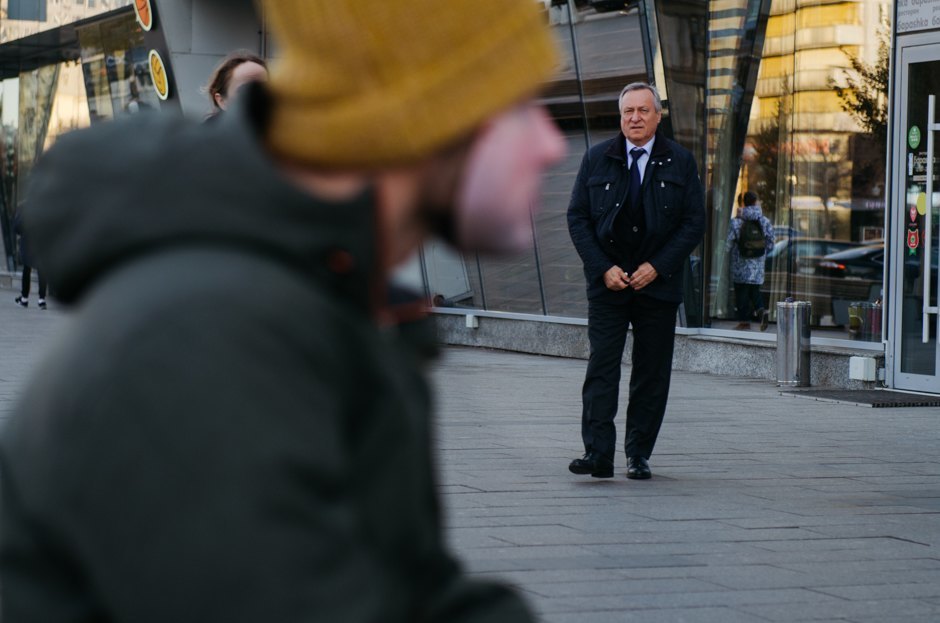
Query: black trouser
x=747, y=298
x=27, y=277
x=654, y=330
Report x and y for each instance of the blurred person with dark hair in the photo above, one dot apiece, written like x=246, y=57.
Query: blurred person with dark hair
x=637, y=211
x=236, y=70
x=250, y=441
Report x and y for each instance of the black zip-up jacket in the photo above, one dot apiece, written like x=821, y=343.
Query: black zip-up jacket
x=673, y=206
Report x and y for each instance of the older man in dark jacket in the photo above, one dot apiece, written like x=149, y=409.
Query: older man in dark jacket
x=636, y=213
x=235, y=426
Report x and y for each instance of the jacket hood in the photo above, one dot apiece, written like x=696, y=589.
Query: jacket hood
x=102, y=196
x=751, y=213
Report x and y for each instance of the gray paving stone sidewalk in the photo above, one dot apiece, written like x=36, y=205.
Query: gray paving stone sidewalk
x=762, y=507
x=24, y=335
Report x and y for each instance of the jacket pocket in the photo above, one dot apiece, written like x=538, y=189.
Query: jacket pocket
x=668, y=190
x=601, y=190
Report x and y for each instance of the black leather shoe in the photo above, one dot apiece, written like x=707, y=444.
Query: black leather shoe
x=593, y=464
x=638, y=468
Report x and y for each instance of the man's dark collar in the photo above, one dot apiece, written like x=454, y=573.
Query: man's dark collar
x=618, y=149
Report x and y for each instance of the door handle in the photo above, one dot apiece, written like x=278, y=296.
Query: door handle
x=928, y=220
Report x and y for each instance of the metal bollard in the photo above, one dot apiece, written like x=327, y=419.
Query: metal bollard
x=793, y=349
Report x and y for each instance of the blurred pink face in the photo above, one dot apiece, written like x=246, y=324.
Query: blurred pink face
x=502, y=179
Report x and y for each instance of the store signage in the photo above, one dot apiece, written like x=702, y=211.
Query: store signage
x=913, y=137
x=158, y=74
x=913, y=240
x=144, y=13
x=915, y=15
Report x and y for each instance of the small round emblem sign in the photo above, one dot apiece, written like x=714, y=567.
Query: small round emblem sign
x=158, y=74
x=913, y=137
x=144, y=13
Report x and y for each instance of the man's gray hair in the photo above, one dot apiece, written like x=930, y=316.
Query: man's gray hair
x=641, y=86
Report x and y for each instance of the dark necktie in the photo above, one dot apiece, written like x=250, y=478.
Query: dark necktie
x=634, y=190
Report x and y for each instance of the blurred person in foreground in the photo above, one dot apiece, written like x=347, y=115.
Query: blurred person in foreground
x=637, y=211
x=232, y=73
x=250, y=440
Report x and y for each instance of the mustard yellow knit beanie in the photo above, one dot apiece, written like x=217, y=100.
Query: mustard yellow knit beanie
x=367, y=83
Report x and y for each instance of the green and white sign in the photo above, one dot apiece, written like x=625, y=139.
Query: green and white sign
x=913, y=137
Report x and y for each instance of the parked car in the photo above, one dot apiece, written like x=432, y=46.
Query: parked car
x=803, y=252
x=858, y=275
x=790, y=270
x=851, y=276
x=866, y=262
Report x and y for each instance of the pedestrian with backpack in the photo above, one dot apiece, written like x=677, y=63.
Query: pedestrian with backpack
x=750, y=238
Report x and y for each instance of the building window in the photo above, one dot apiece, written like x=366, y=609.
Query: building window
x=31, y=10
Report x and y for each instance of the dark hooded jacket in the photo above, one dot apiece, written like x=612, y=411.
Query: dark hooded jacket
x=224, y=432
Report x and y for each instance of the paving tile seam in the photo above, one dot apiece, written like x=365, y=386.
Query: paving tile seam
x=656, y=609
x=707, y=587
x=718, y=539
x=754, y=594
x=828, y=538
x=602, y=544
x=703, y=574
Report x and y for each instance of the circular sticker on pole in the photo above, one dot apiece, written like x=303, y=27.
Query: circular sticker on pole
x=913, y=137
x=158, y=74
x=144, y=13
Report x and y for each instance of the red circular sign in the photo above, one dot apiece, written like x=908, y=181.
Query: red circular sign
x=144, y=13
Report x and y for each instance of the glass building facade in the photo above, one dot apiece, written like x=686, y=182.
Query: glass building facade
x=785, y=98
x=64, y=64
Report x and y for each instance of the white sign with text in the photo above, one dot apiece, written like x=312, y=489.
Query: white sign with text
x=914, y=15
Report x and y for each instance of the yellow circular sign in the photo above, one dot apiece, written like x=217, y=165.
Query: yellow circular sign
x=144, y=13
x=922, y=203
x=158, y=74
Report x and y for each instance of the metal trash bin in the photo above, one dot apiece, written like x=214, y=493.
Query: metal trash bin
x=865, y=321
x=793, y=349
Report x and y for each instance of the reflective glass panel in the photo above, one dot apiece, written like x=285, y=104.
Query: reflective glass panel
x=815, y=155
x=562, y=273
x=111, y=79
x=918, y=356
x=22, y=18
x=116, y=68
